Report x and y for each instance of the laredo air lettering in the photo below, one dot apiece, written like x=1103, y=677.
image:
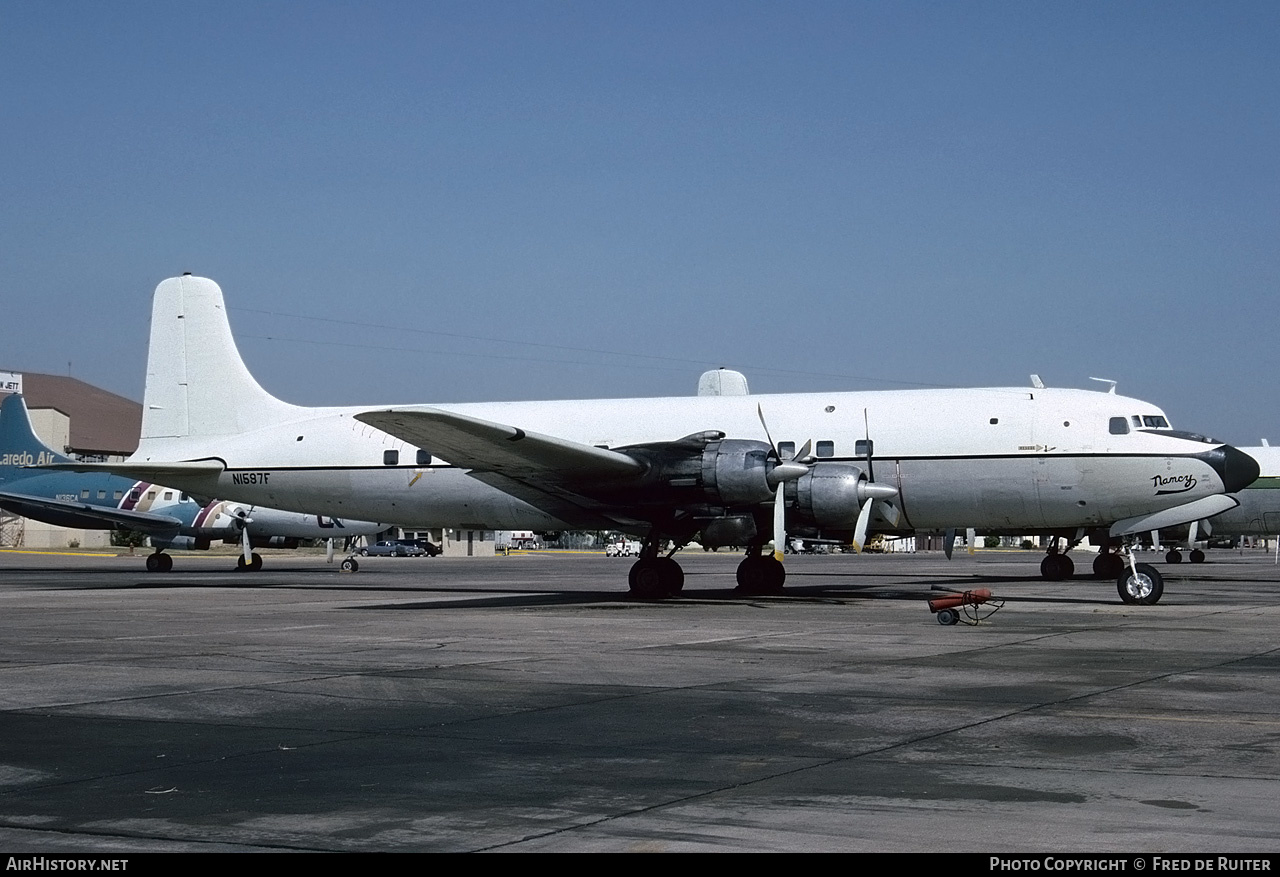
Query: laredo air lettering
x=25, y=458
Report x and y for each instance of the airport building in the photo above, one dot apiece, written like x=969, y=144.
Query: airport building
x=88, y=423
x=81, y=421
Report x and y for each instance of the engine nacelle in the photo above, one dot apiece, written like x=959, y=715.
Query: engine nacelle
x=181, y=543
x=730, y=530
x=830, y=495
x=701, y=470
x=734, y=472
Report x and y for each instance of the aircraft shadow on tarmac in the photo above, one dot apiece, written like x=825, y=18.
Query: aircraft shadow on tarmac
x=801, y=590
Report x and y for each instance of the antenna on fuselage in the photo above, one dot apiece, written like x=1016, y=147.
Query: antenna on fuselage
x=1112, y=391
x=1036, y=382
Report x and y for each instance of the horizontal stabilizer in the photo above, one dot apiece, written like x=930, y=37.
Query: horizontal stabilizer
x=486, y=446
x=40, y=507
x=1183, y=514
x=176, y=474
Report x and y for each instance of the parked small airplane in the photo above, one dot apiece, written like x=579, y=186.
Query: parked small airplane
x=1003, y=459
x=99, y=501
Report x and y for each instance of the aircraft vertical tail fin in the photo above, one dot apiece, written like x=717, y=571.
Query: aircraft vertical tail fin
x=197, y=383
x=19, y=444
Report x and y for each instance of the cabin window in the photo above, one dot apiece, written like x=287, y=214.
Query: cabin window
x=995, y=420
x=1118, y=426
x=390, y=458
x=119, y=494
x=826, y=449
x=168, y=494
x=786, y=450
x=863, y=447
x=84, y=494
x=151, y=494
x=102, y=494
x=424, y=458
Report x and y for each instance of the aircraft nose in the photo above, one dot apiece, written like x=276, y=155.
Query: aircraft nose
x=1236, y=468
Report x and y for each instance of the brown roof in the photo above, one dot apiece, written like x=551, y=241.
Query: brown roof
x=101, y=422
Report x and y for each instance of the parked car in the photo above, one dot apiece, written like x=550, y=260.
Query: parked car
x=393, y=548
x=426, y=545
x=624, y=548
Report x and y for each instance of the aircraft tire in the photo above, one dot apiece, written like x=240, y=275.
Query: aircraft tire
x=673, y=576
x=1057, y=567
x=1174, y=556
x=1144, y=589
x=1197, y=556
x=761, y=576
x=1107, y=565
x=154, y=563
x=647, y=580
x=350, y=565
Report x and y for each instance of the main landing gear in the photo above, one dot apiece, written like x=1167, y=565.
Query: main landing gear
x=1108, y=564
x=760, y=574
x=254, y=564
x=159, y=562
x=654, y=577
x=1175, y=556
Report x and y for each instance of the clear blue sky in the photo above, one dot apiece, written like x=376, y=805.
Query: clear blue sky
x=825, y=195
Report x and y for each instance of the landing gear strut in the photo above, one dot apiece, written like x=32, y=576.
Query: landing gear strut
x=760, y=574
x=1140, y=583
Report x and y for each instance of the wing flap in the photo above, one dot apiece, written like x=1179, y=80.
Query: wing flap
x=485, y=446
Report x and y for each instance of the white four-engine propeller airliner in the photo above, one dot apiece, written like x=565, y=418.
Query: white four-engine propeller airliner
x=1058, y=461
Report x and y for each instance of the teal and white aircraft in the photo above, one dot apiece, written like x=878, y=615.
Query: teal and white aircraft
x=1017, y=460
x=100, y=501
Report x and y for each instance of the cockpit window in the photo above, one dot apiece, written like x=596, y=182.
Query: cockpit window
x=1119, y=426
x=1154, y=421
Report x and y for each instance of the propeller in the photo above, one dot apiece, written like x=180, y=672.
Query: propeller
x=869, y=492
x=777, y=478
x=245, y=545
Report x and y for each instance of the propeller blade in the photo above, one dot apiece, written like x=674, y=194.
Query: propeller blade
x=760, y=413
x=949, y=542
x=328, y=550
x=247, y=548
x=803, y=455
x=1207, y=526
x=890, y=513
x=860, y=529
x=779, y=524
x=969, y=537
x=1191, y=535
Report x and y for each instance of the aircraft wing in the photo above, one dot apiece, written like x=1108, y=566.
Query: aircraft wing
x=486, y=446
x=39, y=506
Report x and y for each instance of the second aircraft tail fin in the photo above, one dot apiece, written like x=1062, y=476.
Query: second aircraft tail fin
x=19, y=444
